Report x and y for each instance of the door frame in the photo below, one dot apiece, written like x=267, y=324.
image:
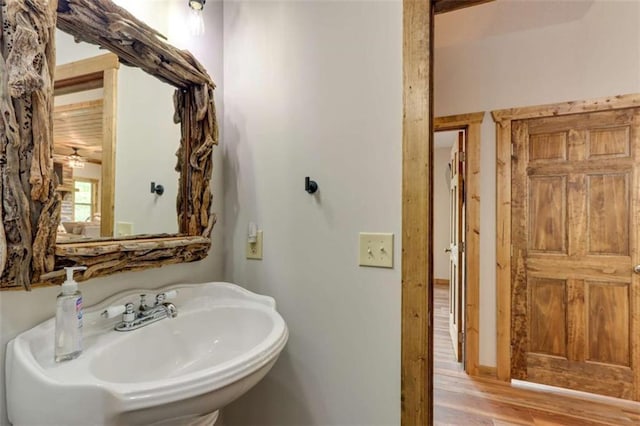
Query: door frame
x=471, y=124
x=503, y=119
x=416, y=370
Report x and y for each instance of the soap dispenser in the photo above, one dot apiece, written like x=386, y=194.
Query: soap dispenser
x=68, y=338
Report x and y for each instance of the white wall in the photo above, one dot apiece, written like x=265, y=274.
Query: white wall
x=67, y=50
x=20, y=311
x=89, y=171
x=147, y=140
x=513, y=53
x=314, y=88
x=292, y=83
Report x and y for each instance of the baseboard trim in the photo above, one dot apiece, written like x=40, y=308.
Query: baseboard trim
x=441, y=281
x=487, y=372
x=624, y=403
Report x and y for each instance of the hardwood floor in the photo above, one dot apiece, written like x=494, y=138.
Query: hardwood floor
x=462, y=400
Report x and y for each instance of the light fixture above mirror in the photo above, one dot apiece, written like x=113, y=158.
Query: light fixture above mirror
x=196, y=21
x=197, y=4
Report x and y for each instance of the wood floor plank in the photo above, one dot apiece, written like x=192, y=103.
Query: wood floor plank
x=482, y=406
x=463, y=400
x=451, y=416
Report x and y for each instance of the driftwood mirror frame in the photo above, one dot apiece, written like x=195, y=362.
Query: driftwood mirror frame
x=30, y=206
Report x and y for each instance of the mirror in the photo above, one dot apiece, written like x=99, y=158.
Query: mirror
x=137, y=130
x=31, y=205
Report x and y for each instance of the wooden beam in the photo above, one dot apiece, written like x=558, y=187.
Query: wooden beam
x=472, y=259
x=630, y=100
x=458, y=121
x=74, y=85
x=417, y=214
x=503, y=249
x=138, y=242
x=444, y=6
x=109, y=136
x=84, y=67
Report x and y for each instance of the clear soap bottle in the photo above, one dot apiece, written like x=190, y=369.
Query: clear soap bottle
x=68, y=338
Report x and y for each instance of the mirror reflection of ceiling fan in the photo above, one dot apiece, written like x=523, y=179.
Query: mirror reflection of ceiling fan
x=75, y=161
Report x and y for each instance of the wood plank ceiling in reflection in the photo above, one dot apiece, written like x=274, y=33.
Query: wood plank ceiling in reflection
x=79, y=125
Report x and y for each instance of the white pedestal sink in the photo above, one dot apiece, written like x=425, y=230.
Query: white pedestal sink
x=223, y=341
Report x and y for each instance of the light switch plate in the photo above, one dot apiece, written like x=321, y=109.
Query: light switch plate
x=376, y=249
x=254, y=250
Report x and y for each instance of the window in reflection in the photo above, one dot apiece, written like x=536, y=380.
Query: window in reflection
x=85, y=200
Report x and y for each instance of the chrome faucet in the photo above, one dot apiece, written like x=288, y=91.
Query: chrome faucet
x=133, y=319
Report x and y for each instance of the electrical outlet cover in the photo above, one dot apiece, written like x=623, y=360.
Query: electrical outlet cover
x=254, y=250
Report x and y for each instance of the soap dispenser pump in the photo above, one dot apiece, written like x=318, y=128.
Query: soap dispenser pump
x=68, y=335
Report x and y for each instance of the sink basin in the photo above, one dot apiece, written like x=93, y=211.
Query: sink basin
x=223, y=341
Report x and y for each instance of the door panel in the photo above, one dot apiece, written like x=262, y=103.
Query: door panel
x=575, y=208
x=547, y=298
x=608, y=199
x=584, y=376
x=547, y=214
x=608, y=329
x=548, y=146
x=612, y=142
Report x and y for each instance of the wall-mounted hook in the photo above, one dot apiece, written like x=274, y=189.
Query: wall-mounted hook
x=157, y=189
x=310, y=185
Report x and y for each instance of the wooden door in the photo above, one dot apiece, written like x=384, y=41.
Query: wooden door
x=575, y=224
x=456, y=247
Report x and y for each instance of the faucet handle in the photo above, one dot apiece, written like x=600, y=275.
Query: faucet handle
x=129, y=313
x=143, y=302
x=161, y=297
x=113, y=311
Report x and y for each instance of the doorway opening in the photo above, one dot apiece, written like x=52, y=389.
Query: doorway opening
x=456, y=248
x=84, y=126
